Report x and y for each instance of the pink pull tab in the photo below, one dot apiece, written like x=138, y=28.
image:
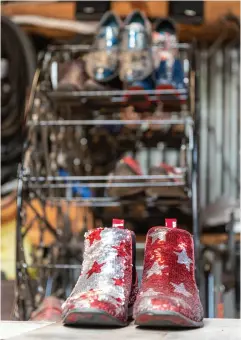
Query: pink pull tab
x=118, y=223
x=170, y=222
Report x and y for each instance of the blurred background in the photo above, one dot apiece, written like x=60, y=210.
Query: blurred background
x=72, y=121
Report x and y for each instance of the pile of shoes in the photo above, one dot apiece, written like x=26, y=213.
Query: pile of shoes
x=129, y=55
x=129, y=167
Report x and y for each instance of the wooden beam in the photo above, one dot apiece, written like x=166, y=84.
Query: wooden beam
x=150, y=8
x=49, y=9
x=213, y=10
x=208, y=32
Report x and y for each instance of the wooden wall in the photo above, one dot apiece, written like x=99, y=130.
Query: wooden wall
x=213, y=10
x=213, y=25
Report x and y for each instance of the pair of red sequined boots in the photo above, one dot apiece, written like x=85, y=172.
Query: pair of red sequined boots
x=107, y=290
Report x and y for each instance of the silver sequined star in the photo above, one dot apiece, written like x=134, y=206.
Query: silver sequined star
x=180, y=289
x=183, y=258
x=156, y=269
x=158, y=235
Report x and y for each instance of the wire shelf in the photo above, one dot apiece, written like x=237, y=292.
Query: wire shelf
x=140, y=122
x=86, y=48
x=50, y=205
x=117, y=97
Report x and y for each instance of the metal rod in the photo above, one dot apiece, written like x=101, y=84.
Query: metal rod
x=109, y=122
x=112, y=93
x=112, y=185
x=104, y=178
x=87, y=48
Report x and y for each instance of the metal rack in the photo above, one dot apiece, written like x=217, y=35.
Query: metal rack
x=51, y=268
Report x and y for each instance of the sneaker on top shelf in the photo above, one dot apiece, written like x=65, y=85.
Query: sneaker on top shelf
x=102, y=60
x=136, y=64
x=168, y=66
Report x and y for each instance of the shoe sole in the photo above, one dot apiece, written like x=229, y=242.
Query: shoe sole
x=91, y=317
x=166, y=319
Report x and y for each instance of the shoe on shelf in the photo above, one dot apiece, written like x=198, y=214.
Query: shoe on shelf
x=100, y=138
x=178, y=79
x=164, y=39
x=127, y=166
x=92, y=85
x=176, y=190
x=78, y=191
x=71, y=76
x=49, y=310
x=107, y=287
x=136, y=65
x=169, y=68
x=129, y=113
x=168, y=296
x=102, y=60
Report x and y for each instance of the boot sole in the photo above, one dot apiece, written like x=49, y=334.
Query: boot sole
x=91, y=317
x=166, y=319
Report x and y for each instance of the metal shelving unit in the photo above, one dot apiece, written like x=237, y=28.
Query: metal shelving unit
x=54, y=139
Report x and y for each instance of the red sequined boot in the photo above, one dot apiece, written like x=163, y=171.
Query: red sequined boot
x=107, y=286
x=168, y=295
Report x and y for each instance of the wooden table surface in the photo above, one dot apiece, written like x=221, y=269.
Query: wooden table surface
x=214, y=329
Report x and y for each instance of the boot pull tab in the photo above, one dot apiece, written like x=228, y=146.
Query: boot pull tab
x=118, y=223
x=170, y=223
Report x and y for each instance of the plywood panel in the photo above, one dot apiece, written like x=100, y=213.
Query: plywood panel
x=209, y=31
x=64, y=10
x=214, y=10
x=151, y=8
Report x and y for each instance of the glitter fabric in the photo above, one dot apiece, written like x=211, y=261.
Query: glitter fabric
x=105, y=283
x=168, y=285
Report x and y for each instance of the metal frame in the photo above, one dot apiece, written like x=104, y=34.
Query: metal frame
x=32, y=185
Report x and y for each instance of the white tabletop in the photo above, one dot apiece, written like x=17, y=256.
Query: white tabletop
x=214, y=329
x=10, y=329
